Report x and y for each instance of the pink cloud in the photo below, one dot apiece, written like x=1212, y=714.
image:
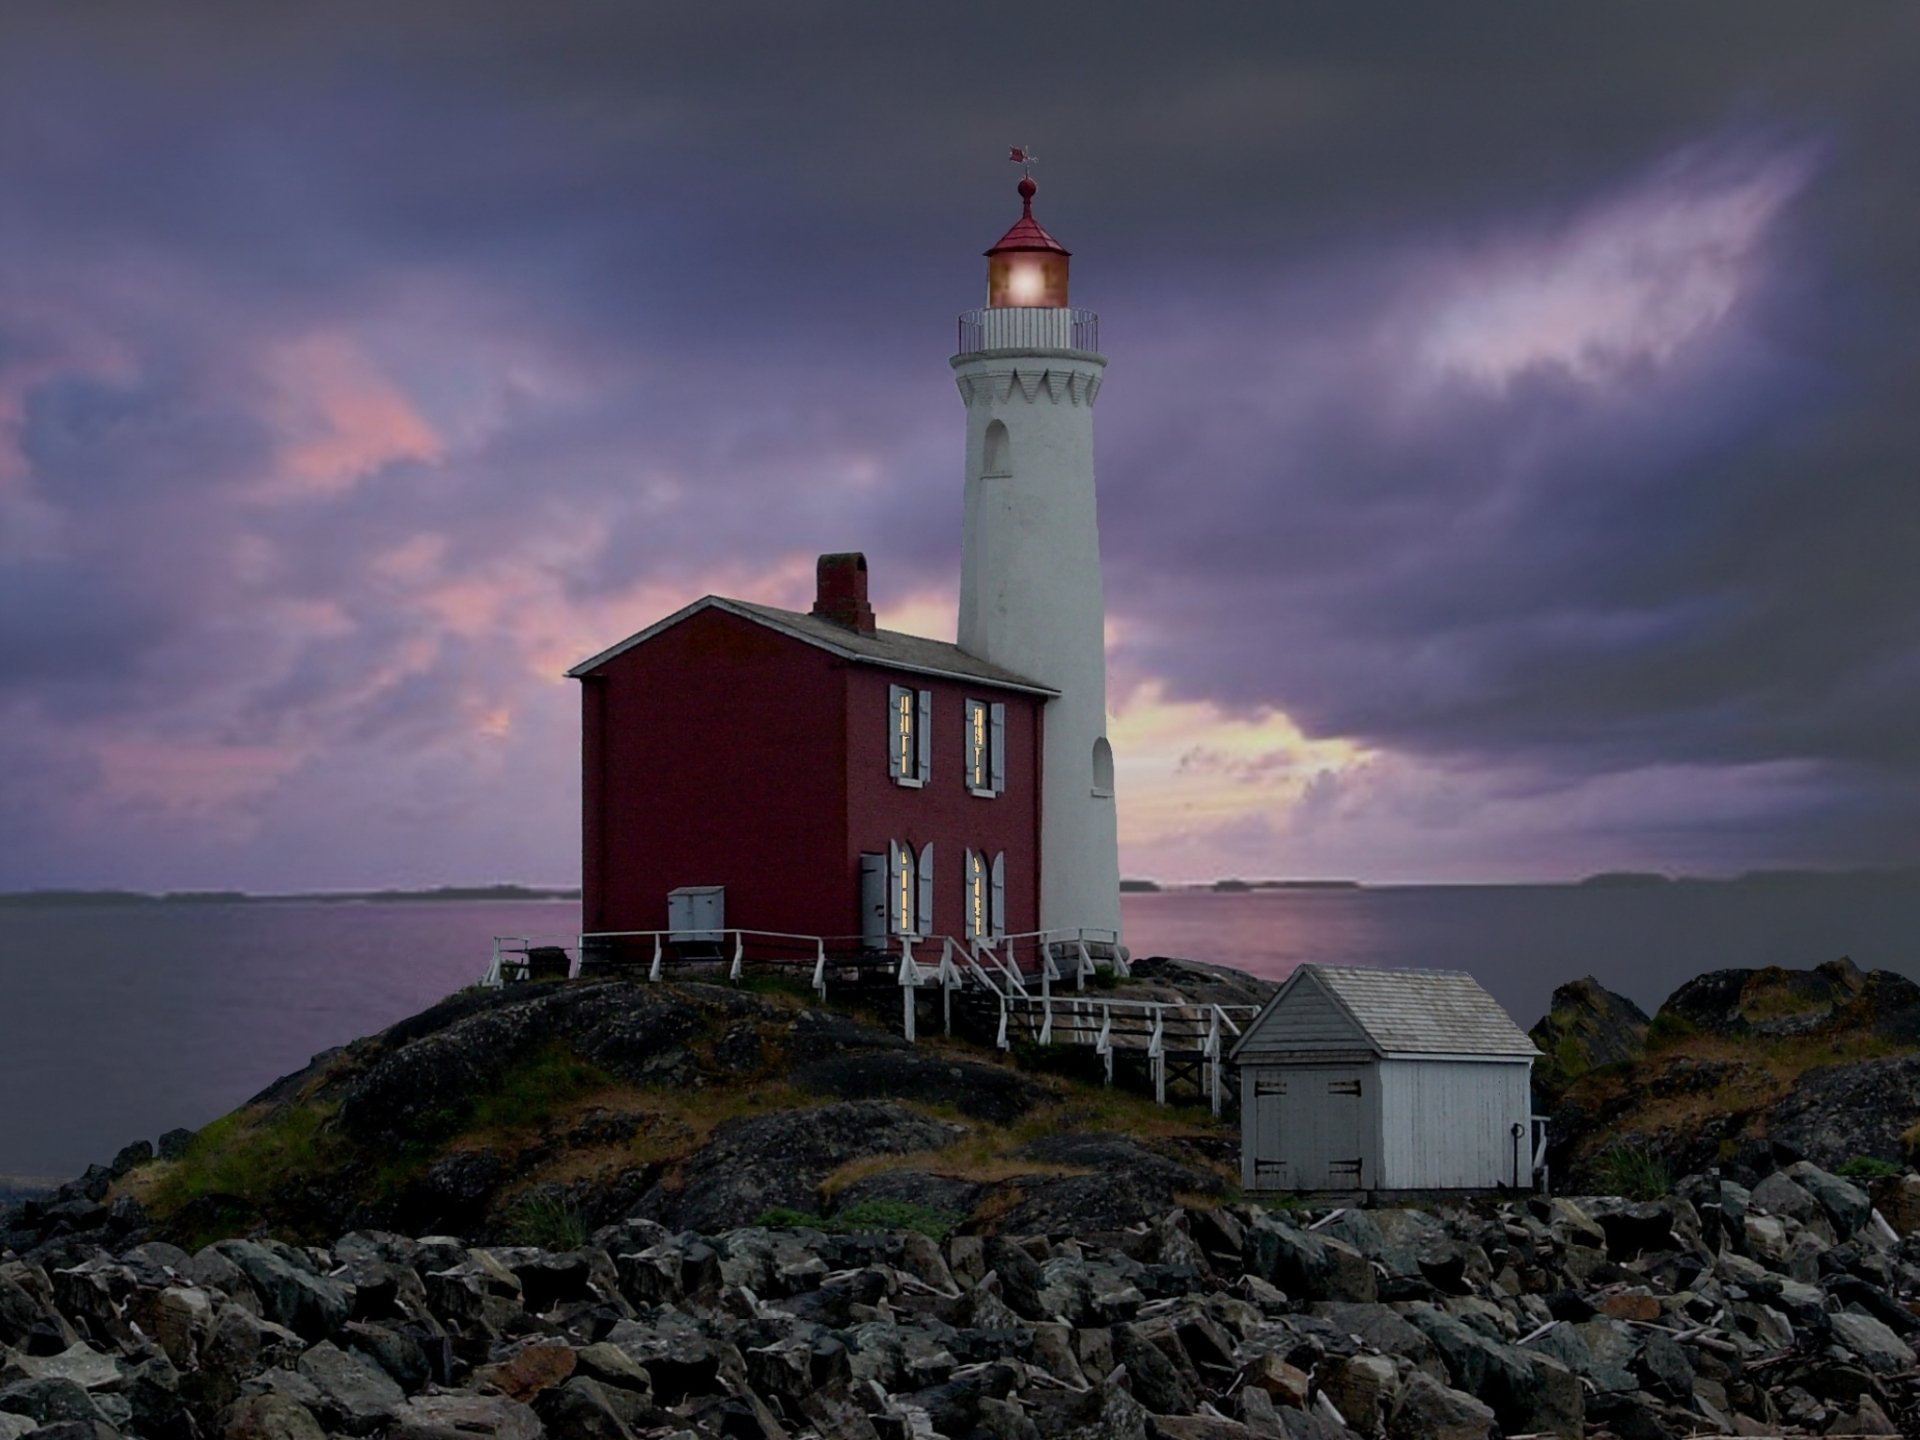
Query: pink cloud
x=339, y=420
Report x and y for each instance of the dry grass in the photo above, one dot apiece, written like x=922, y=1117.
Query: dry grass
x=997, y=1206
x=1759, y=1072
x=990, y=1154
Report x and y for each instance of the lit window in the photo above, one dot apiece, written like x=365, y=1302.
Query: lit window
x=910, y=894
x=904, y=891
x=909, y=734
x=986, y=740
x=986, y=898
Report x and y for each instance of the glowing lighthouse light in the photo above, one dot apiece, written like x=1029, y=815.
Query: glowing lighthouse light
x=1027, y=268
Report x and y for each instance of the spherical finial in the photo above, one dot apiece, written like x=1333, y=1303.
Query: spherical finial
x=1028, y=190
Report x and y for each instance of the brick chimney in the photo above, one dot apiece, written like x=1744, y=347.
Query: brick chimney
x=840, y=591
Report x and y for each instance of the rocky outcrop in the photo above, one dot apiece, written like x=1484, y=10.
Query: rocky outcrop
x=1832, y=998
x=1745, y=1069
x=1162, y=977
x=1785, y=1308
x=777, y=1161
x=1588, y=1026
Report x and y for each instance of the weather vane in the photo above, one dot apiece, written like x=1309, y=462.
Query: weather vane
x=1023, y=156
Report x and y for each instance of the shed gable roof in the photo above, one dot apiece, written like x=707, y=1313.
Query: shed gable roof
x=889, y=648
x=1399, y=1012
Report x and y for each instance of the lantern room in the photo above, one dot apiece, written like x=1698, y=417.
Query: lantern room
x=1027, y=268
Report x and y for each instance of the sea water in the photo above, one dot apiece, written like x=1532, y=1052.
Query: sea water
x=120, y=1022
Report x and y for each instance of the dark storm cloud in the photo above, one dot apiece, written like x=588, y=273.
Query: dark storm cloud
x=1522, y=392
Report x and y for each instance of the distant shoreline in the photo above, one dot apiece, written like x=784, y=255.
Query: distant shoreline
x=97, y=899
x=56, y=898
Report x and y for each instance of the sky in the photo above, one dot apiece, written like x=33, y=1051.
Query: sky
x=1509, y=458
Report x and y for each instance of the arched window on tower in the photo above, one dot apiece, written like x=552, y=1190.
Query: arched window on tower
x=998, y=459
x=1102, y=767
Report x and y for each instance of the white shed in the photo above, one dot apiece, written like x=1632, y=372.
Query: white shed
x=1384, y=1080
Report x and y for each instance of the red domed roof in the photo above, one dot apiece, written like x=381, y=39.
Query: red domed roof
x=1027, y=233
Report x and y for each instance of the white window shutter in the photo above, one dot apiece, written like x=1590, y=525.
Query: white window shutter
x=1000, y=893
x=966, y=740
x=894, y=918
x=894, y=695
x=966, y=896
x=925, y=728
x=925, y=897
x=997, y=742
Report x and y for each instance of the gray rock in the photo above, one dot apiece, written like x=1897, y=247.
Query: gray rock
x=271, y=1417
x=581, y=1409
x=1877, y=1347
x=1428, y=1410
x=394, y=1351
x=1611, y=1349
x=1156, y=1382
x=1777, y=1194
x=356, y=1395
x=311, y=1306
x=1362, y=1387
x=464, y=1417
x=1845, y=1204
x=1528, y=1392
x=1105, y=1412
x=12, y=1426
x=86, y=1367
x=1304, y=1265
x=47, y=1401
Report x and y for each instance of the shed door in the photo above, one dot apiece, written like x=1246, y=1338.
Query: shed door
x=873, y=901
x=1319, y=1126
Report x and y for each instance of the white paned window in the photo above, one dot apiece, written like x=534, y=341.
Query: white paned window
x=909, y=735
x=999, y=894
x=924, y=899
x=903, y=890
x=986, y=747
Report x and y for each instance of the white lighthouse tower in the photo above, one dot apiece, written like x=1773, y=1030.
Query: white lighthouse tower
x=1029, y=369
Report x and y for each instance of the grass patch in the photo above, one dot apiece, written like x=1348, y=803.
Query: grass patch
x=548, y=1222
x=244, y=1154
x=1772, y=997
x=535, y=1090
x=1667, y=1030
x=1867, y=1167
x=779, y=986
x=1633, y=1172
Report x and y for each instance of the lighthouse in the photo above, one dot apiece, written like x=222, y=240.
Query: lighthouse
x=1029, y=370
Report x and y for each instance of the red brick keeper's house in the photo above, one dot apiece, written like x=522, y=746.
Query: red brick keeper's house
x=831, y=778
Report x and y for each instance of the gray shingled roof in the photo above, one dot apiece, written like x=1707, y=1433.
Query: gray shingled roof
x=1424, y=1012
x=883, y=647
